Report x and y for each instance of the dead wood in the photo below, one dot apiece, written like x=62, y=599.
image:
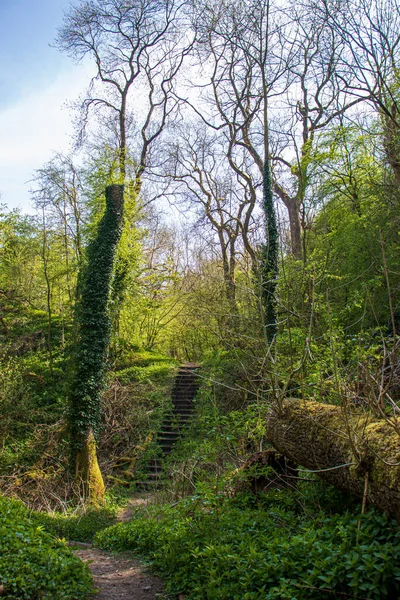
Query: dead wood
x=342, y=446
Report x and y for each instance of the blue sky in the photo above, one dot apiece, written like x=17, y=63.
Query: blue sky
x=36, y=82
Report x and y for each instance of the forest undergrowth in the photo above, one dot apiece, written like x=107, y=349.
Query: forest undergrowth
x=204, y=530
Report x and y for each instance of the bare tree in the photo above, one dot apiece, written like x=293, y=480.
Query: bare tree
x=312, y=103
x=135, y=45
x=59, y=185
x=274, y=82
x=368, y=69
x=241, y=42
x=222, y=197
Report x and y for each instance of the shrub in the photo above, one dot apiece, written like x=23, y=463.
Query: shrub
x=222, y=549
x=76, y=527
x=35, y=565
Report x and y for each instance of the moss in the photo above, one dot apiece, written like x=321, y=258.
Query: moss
x=88, y=472
x=343, y=444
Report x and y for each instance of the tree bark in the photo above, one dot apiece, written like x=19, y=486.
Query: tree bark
x=295, y=228
x=292, y=206
x=392, y=145
x=87, y=471
x=343, y=447
x=269, y=255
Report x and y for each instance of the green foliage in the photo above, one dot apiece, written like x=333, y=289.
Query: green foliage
x=215, y=442
x=31, y=403
x=357, y=226
x=20, y=265
x=33, y=564
x=234, y=378
x=78, y=526
x=156, y=373
x=214, y=548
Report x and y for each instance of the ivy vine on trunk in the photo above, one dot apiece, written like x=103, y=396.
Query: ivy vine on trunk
x=93, y=338
x=269, y=256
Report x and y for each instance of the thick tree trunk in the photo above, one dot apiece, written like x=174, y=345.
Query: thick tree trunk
x=351, y=450
x=87, y=471
x=90, y=361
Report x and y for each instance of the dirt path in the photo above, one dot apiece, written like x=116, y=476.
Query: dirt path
x=120, y=577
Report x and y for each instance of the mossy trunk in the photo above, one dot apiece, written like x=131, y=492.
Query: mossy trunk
x=346, y=447
x=87, y=471
x=93, y=339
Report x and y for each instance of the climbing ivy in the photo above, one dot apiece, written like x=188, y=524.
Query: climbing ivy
x=93, y=321
x=269, y=256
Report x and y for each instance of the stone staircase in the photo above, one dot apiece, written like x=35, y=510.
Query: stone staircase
x=183, y=393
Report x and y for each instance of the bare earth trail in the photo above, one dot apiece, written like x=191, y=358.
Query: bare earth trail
x=120, y=577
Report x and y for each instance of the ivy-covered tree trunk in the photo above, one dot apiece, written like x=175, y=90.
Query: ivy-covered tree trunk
x=348, y=448
x=93, y=338
x=269, y=256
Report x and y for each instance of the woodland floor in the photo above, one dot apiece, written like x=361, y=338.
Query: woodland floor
x=121, y=577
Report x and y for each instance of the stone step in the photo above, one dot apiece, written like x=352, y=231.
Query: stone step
x=178, y=401
x=176, y=426
x=155, y=468
x=184, y=382
x=182, y=402
x=189, y=388
x=153, y=476
x=168, y=440
x=168, y=435
x=178, y=417
x=183, y=393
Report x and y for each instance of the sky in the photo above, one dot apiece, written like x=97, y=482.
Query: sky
x=36, y=84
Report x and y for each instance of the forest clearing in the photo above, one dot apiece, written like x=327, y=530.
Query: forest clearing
x=199, y=323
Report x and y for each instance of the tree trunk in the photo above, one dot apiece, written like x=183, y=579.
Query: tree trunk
x=87, y=470
x=292, y=206
x=93, y=338
x=391, y=144
x=269, y=257
x=349, y=449
x=295, y=228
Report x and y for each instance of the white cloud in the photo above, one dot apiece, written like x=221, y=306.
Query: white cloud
x=34, y=128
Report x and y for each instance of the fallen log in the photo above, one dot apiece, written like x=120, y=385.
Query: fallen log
x=349, y=449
